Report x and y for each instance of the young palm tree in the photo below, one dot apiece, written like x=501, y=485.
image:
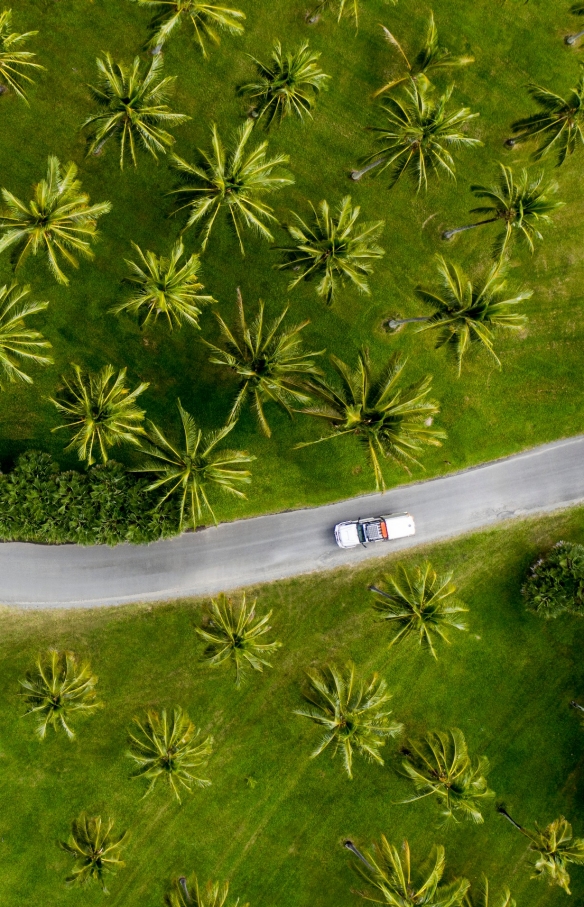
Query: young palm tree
x=559, y=124
x=187, y=893
x=420, y=603
x=206, y=17
x=192, y=468
x=269, y=363
x=233, y=633
x=555, y=848
x=165, y=287
x=418, y=134
x=353, y=714
x=15, y=64
x=17, y=341
x=233, y=181
x=429, y=59
x=168, y=747
x=333, y=246
x=102, y=412
x=440, y=766
x=58, y=690
x=519, y=206
x=288, y=85
x=95, y=848
x=347, y=8
x=389, y=420
x=58, y=221
x=132, y=107
x=483, y=896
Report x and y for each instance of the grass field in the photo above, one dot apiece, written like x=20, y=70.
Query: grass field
x=506, y=683
x=486, y=413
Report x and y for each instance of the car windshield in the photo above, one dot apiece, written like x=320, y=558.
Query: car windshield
x=361, y=533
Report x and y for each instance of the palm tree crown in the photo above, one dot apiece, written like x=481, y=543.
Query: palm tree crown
x=335, y=246
x=165, y=287
x=353, y=714
x=555, y=847
x=187, y=893
x=14, y=62
x=233, y=633
x=17, y=342
x=206, y=17
x=95, y=848
x=559, y=124
x=192, y=468
x=58, y=221
x=102, y=412
x=268, y=362
x=288, y=85
x=420, y=603
x=58, y=690
x=389, y=420
x=234, y=181
x=132, y=107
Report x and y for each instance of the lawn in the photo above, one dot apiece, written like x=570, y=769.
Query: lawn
x=486, y=413
x=506, y=683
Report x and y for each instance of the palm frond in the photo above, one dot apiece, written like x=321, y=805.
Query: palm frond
x=15, y=63
x=95, y=848
x=58, y=691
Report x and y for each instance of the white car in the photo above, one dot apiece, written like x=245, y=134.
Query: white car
x=374, y=529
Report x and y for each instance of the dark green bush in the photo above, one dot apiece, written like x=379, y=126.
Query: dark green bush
x=555, y=583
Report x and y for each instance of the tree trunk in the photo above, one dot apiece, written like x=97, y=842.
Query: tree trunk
x=503, y=812
x=448, y=234
x=394, y=323
x=571, y=39
x=357, y=174
x=183, y=884
x=379, y=592
x=350, y=846
x=576, y=705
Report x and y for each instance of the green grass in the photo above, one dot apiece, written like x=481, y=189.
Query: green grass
x=486, y=413
x=507, y=683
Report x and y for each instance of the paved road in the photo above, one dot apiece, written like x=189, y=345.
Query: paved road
x=287, y=544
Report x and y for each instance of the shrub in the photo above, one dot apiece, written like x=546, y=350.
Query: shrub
x=555, y=583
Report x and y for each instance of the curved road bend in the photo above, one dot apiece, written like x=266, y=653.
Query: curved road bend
x=286, y=544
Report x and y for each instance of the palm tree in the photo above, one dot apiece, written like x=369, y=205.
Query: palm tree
x=58, y=221
x=390, y=877
x=418, y=134
x=269, y=363
x=353, y=714
x=430, y=58
x=467, y=313
x=17, y=341
x=348, y=8
x=420, y=603
x=15, y=63
x=555, y=848
x=206, y=17
x=288, y=85
x=440, y=766
x=518, y=205
x=192, y=468
x=102, y=413
x=58, y=690
x=389, y=420
x=334, y=246
x=132, y=107
x=165, y=287
x=484, y=899
x=232, y=633
x=95, y=848
x=168, y=747
x=233, y=182
x=187, y=893
x=559, y=123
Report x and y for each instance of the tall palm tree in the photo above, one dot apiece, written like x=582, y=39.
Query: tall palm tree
x=235, y=182
x=468, y=314
x=268, y=362
x=289, y=84
x=101, y=411
x=519, y=206
x=389, y=878
x=333, y=246
x=59, y=690
x=58, y=221
x=15, y=64
x=430, y=58
x=389, y=420
x=417, y=135
x=193, y=467
x=352, y=713
x=206, y=16
x=166, y=287
x=168, y=747
x=483, y=896
x=420, y=603
x=17, y=341
x=559, y=124
x=439, y=765
x=555, y=847
x=133, y=107
x=188, y=893
x=95, y=848
x=233, y=633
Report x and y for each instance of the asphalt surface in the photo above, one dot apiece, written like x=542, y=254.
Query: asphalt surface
x=287, y=544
